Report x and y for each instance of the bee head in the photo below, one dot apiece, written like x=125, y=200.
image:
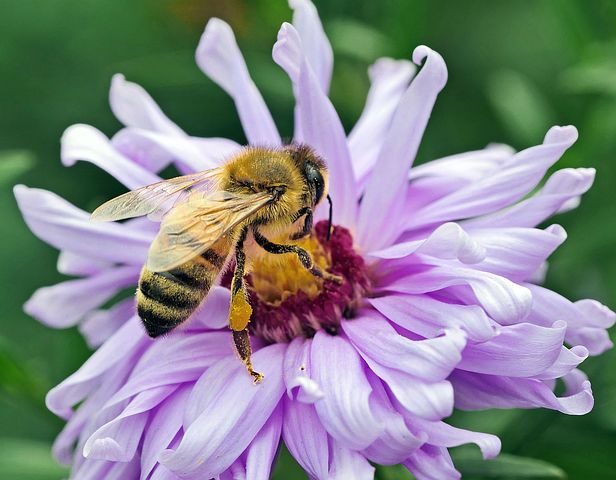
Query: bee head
x=313, y=170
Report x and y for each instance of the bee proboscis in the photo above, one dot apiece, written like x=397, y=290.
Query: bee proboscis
x=208, y=217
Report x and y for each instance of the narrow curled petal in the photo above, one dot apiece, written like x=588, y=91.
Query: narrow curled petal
x=448, y=241
x=384, y=193
x=71, y=263
x=345, y=409
x=346, y=463
x=220, y=59
x=432, y=463
x=134, y=107
x=66, y=303
x=297, y=372
x=320, y=125
x=64, y=226
x=432, y=359
x=510, y=183
x=262, y=450
x=389, y=79
x=99, y=325
x=521, y=350
x=567, y=361
x=317, y=47
x=217, y=426
x=429, y=317
x=83, y=142
x=478, y=391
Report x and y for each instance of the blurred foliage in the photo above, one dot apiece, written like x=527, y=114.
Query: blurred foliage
x=515, y=68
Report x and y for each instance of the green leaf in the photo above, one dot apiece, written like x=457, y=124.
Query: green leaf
x=356, y=39
x=13, y=164
x=505, y=466
x=28, y=460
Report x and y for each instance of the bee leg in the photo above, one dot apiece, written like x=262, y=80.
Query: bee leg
x=240, y=311
x=303, y=256
x=307, y=223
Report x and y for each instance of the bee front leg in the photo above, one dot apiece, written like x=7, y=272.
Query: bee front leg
x=303, y=256
x=240, y=311
x=307, y=223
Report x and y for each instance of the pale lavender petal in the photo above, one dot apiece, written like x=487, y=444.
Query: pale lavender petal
x=517, y=253
x=217, y=427
x=75, y=388
x=432, y=463
x=514, y=179
x=441, y=434
x=430, y=360
x=297, y=372
x=389, y=79
x=118, y=439
x=83, y=142
x=448, y=241
x=305, y=437
x=505, y=301
x=568, y=360
x=317, y=48
x=91, y=470
x=346, y=463
x=385, y=192
x=74, y=264
x=345, y=408
x=66, y=303
x=220, y=59
x=262, y=450
x=64, y=226
x=478, y=391
x=522, y=350
x=164, y=425
x=213, y=313
x=134, y=107
x=320, y=125
x=560, y=189
x=99, y=325
x=429, y=317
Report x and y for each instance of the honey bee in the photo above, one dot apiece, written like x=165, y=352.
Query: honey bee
x=208, y=217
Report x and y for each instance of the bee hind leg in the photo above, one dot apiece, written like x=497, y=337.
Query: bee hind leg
x=240, y=311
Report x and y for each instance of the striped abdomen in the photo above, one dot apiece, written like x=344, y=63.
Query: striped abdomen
x=167, y=299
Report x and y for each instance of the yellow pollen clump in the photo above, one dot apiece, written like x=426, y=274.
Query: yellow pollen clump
x=274, y=278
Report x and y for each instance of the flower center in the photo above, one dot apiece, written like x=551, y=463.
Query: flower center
x=288, y=301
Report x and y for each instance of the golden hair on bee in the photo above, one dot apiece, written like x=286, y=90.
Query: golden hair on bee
x=260, y=193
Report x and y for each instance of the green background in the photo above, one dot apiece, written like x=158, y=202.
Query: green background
x=515, y=69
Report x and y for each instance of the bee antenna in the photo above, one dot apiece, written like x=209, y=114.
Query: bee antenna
x=329, y=225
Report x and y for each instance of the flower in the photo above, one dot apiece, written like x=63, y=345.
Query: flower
x=443, y=305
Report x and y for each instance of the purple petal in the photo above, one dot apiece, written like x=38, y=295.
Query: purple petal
x=521, y=350
x=220, y=59
x=388, y=80
x=432, y=463
x=478, y=391
x=99, y=325
x=517, y=253
x=123, y=344
x=429, y=317
x=345, y=408
x=505, y=301
x=305, y=437
x=563, y=187
x=320, y=125
x=385, y=192
x=514, y=179
x=377, y=340
x=64, y=226
x=83, y=142
x=317, y=49
x=71, y=263
x=346, y=463
x=297, y=372
x=442, y=435
x=164, y=425
x=213, y=313
x=66, y=303
x=262, y=450
x=134, y=107
x=568, y=360
x=118, y=439
x=217, y=426
x=448, y=241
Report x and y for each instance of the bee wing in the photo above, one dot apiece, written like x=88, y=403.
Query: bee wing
x=195, y=225
x=156, y=198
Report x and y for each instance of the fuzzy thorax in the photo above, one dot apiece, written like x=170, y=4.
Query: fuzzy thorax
x=288, y=301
